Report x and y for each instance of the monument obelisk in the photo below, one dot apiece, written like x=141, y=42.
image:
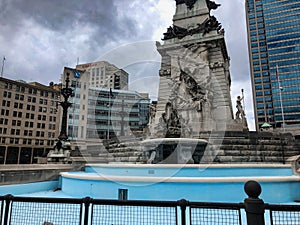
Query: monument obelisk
x=194, y=88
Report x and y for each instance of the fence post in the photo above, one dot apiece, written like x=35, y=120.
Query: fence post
x=8, y=198
x=254, y=206
x=87, y=202
x=183, y=204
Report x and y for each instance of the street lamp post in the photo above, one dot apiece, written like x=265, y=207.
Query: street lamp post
x=62, y=148
x=66, y=92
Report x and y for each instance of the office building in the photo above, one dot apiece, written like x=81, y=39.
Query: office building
x=99, y=113
x=116, y=113
x=103, y=74
x=274, y=52
x=29, y=121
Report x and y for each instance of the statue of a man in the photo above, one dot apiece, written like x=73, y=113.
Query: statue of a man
x=240, y=111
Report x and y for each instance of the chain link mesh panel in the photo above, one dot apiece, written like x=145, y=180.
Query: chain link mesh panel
x=37, y=213
x=210, y=216
x=285, y=217
x=132, y=215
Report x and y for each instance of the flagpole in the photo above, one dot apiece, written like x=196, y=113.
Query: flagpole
x=2, y=66
x=280, y=90
x=242, y=90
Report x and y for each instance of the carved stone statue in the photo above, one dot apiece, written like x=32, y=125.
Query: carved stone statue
x=195, y=74
x=212, y=5
x=240, y=114
x=161, y=127
x=152, y=114
x=207, y=26
x=189, y=106
x=189, y=3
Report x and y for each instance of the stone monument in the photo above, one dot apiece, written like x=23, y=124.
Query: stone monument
x=194, y=87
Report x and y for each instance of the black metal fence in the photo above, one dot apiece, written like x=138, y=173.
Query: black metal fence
x=88, y=211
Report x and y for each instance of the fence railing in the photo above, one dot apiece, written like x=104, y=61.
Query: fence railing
x=88, y=211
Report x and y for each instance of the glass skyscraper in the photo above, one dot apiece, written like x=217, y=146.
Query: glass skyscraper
x=274, y=51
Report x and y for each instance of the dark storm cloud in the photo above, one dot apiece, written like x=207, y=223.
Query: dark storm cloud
x=61, y=16
x=43, y=36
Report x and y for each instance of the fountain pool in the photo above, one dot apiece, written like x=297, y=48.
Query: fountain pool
x=212, y=183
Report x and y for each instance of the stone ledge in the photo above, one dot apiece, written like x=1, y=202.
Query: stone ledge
x=24, y=167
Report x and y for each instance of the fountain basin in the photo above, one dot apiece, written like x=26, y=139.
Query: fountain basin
x=172, y=182
x=174, y=150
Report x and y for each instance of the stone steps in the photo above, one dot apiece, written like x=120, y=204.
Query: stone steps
x=123, y=149
x=131, y=159
x=268, y=151
x=233, y=148
x=251, y=147
x=122, y=154
x=228, y=141
x=126, y=152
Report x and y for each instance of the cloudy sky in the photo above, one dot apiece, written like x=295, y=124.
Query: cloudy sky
x=39, y=37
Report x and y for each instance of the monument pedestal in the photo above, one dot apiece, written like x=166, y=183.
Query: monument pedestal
x=194, y=87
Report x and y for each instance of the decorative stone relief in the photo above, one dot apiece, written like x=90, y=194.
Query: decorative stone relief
x=189, y=3
x=190, y=99
x=207, y=26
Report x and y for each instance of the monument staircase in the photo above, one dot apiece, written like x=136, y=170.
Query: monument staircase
x=233, y=147
x=127, y=150
x=255, y=147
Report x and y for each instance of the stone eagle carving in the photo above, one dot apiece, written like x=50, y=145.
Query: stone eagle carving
x=190, y=4
x=179, y=32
